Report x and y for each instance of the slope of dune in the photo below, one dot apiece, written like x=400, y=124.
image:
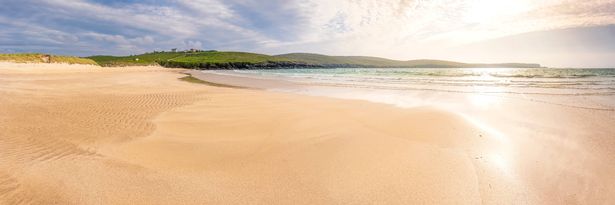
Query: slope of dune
x=44, y=58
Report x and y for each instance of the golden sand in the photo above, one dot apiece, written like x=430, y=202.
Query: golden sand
x=88, y=135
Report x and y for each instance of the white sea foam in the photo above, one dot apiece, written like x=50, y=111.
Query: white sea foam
x=581, y=88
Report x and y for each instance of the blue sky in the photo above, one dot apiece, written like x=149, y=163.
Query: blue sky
x=564, y=33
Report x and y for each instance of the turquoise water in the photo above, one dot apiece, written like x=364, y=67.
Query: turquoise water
x=546, y=81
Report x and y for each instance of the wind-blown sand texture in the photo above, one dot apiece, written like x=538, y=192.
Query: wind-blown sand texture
x=88, y=135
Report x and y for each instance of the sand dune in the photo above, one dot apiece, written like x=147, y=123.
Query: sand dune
x=87, y=135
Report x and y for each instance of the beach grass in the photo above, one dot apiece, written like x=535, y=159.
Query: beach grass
x=40, y=58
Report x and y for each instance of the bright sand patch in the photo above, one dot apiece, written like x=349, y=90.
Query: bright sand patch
x=88, y=135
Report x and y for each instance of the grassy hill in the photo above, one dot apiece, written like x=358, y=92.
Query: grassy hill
x=135, y=60
x=44, y=58
x=206, y=60
x=224, y=57
x=231, y=60
x=243, y=60
x=186, y=59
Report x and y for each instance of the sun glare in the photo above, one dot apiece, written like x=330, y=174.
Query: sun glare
x=483, y=100
x=502, y=163
x=484, y=96
x=479, y=11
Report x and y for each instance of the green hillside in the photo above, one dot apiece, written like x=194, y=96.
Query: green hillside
x=187, y=59
x=226, y=60
x=44, y=58
x=136, y=60
x=225, y=57
x=243, y=60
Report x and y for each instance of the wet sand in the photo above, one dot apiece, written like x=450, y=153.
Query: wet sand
x=558, y=148
x=138, y=135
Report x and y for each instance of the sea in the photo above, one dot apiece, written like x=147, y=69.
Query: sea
x=528, y=117
x=484, y=80
x=573, y=87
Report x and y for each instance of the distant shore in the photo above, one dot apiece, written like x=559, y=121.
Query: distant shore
x=220, y=60
x=216, y=60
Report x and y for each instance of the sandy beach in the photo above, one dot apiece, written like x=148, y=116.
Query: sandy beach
x=74, y=134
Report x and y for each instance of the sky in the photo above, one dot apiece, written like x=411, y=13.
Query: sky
x=555, y=33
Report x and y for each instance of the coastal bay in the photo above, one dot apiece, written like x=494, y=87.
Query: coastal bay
x=72, y=134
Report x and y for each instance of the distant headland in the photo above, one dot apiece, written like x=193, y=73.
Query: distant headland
x=212, y=59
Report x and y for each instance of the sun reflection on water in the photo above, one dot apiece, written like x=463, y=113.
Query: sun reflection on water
x=484, y=95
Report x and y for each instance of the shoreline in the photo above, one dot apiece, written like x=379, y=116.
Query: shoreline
x=530, y=127
x=285, y=85
x=74, y=135
x=186, y=140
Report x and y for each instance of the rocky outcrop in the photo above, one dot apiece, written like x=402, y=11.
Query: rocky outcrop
x=236, y=65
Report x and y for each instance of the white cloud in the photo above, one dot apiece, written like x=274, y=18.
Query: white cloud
x=401, y=29
x=159, y=19
x=419, y=29
x=209, y=8
x=193, y=44
x=120, y=40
